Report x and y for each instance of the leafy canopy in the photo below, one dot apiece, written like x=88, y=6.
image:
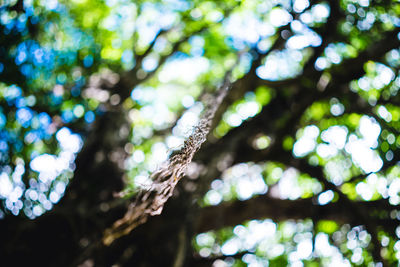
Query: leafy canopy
x=327, y=57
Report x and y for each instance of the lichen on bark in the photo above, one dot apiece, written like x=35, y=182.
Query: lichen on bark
x=150, y=201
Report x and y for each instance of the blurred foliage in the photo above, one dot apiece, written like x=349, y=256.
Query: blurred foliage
x=53, y=55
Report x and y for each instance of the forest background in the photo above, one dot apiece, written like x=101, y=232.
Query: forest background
x=301, y=165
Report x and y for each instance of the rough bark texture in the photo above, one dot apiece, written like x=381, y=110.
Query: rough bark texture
x=150, y=201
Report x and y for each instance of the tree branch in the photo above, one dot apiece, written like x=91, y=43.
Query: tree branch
x=264, y=206
x=150, y=201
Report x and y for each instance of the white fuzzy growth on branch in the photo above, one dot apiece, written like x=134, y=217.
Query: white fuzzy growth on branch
x=150, y=201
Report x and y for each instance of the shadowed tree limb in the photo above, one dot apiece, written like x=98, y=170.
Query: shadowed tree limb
x=266, y=207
